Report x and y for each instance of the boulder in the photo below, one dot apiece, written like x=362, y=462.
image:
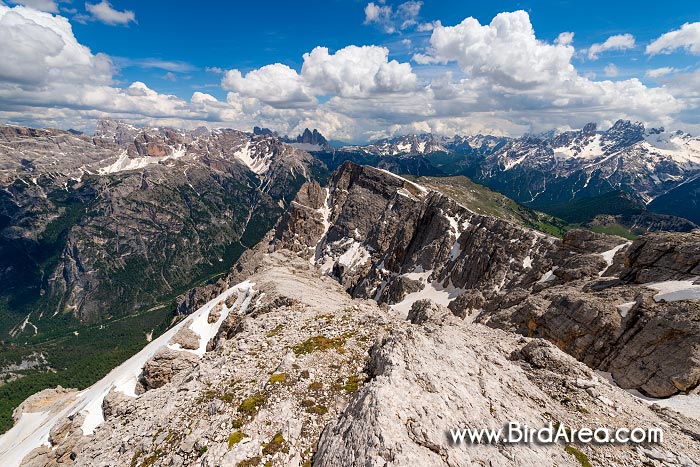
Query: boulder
x=163, y=366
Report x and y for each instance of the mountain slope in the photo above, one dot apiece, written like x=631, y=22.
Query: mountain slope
x=618, y=210
x=84, y=218
x=100, y=235
x=482, y=200
x=298, y=371
x=683, y=201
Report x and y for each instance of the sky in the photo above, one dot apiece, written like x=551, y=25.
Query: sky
x=356, y=70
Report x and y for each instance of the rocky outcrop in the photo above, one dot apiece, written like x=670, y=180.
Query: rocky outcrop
x=663, y=256
x=659, y=350
x=160, y=369
x=186, y=339
x=388, y=239
x=429, y=380
x=425, y=310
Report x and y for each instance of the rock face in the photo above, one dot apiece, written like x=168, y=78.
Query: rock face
x=661, y=351
x=79, y=232
x=385, y=238
x=663, y=256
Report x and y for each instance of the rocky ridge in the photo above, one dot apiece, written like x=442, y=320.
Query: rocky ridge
x=308, y=375
x=385, y=238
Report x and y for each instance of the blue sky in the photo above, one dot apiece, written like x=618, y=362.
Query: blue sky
x=462, y=84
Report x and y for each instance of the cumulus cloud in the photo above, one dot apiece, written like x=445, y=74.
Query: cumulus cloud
x=39, y=49
x=276, y=85
x=405, y=16
x=687, y=38
x=507, y=69
x=506, y=51
x=105, y=13
x=617, y=42
x=611, y=70
x=565, y=38
x=46, y=73
x=356, y=71
x=50, y=6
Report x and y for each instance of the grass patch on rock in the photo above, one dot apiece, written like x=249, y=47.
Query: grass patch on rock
x=252, y=404
x=319, y=344
x=235, y=438
x=580, y=457
x=278, y=378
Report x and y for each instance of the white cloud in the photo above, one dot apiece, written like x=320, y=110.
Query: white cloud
x=276, y=85
x=426, y=27
x=506, y=51
x=50, y=6
x=495, y=78
x=405, y=16
x=565, y=38
x=687, y=38
x=658, y=72
x=39, y=49
x=356, y=71
x=105, y=13
x=611, y=70
x=617, y=42
x=375, y=13
x=167, y=65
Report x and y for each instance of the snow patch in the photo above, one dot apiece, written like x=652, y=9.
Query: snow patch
x=625, y=308
x=688, y=405
x=417, y=186
x=610, y=254
x=434, y=291
x=673, y=291
x=548, y=276
x=258, y=164
x=125, y=163
x=356, y=255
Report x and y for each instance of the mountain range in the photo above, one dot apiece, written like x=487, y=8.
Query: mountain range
x=186, y=239
x=554, y=171
x=380, y=314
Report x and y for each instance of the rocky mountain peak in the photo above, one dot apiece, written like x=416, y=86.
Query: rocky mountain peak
x=622, y=134
x=589, y=129
x=312, y=137
x=263, y=131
